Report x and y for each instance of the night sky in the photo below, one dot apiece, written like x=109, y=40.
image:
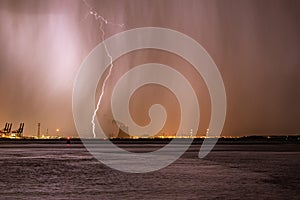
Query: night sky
x=254, y=43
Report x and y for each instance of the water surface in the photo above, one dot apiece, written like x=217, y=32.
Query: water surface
x=60, y=171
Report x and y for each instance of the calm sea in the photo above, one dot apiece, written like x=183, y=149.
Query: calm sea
x=60, y=171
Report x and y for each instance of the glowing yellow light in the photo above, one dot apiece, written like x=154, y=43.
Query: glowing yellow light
x=57, y=130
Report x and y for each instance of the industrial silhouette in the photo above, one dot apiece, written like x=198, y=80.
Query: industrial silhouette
x=6, y=131
x=19, y=131
x=123, y=129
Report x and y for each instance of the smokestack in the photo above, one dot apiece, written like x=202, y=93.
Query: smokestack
x=39, y=128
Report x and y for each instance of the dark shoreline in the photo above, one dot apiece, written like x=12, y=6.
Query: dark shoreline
x=242, y=140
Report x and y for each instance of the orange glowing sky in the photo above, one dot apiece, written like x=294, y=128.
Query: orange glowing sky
x=254, y=43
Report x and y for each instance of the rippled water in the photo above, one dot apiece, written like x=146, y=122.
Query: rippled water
x=58, y=171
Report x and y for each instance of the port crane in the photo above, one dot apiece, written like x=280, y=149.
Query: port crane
x=6, y=130
x=19, y=131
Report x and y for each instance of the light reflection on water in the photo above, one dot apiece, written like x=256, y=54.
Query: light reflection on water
x=231, y=171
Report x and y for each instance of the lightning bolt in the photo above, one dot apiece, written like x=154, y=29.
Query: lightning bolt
x=102, y=21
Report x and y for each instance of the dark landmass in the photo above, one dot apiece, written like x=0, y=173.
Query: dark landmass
x=143, y=145
x=238, y=140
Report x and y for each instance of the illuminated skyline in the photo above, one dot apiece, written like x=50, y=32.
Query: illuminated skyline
x=254, y=44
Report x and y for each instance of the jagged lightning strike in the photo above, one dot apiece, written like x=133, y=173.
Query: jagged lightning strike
x=102, y=21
